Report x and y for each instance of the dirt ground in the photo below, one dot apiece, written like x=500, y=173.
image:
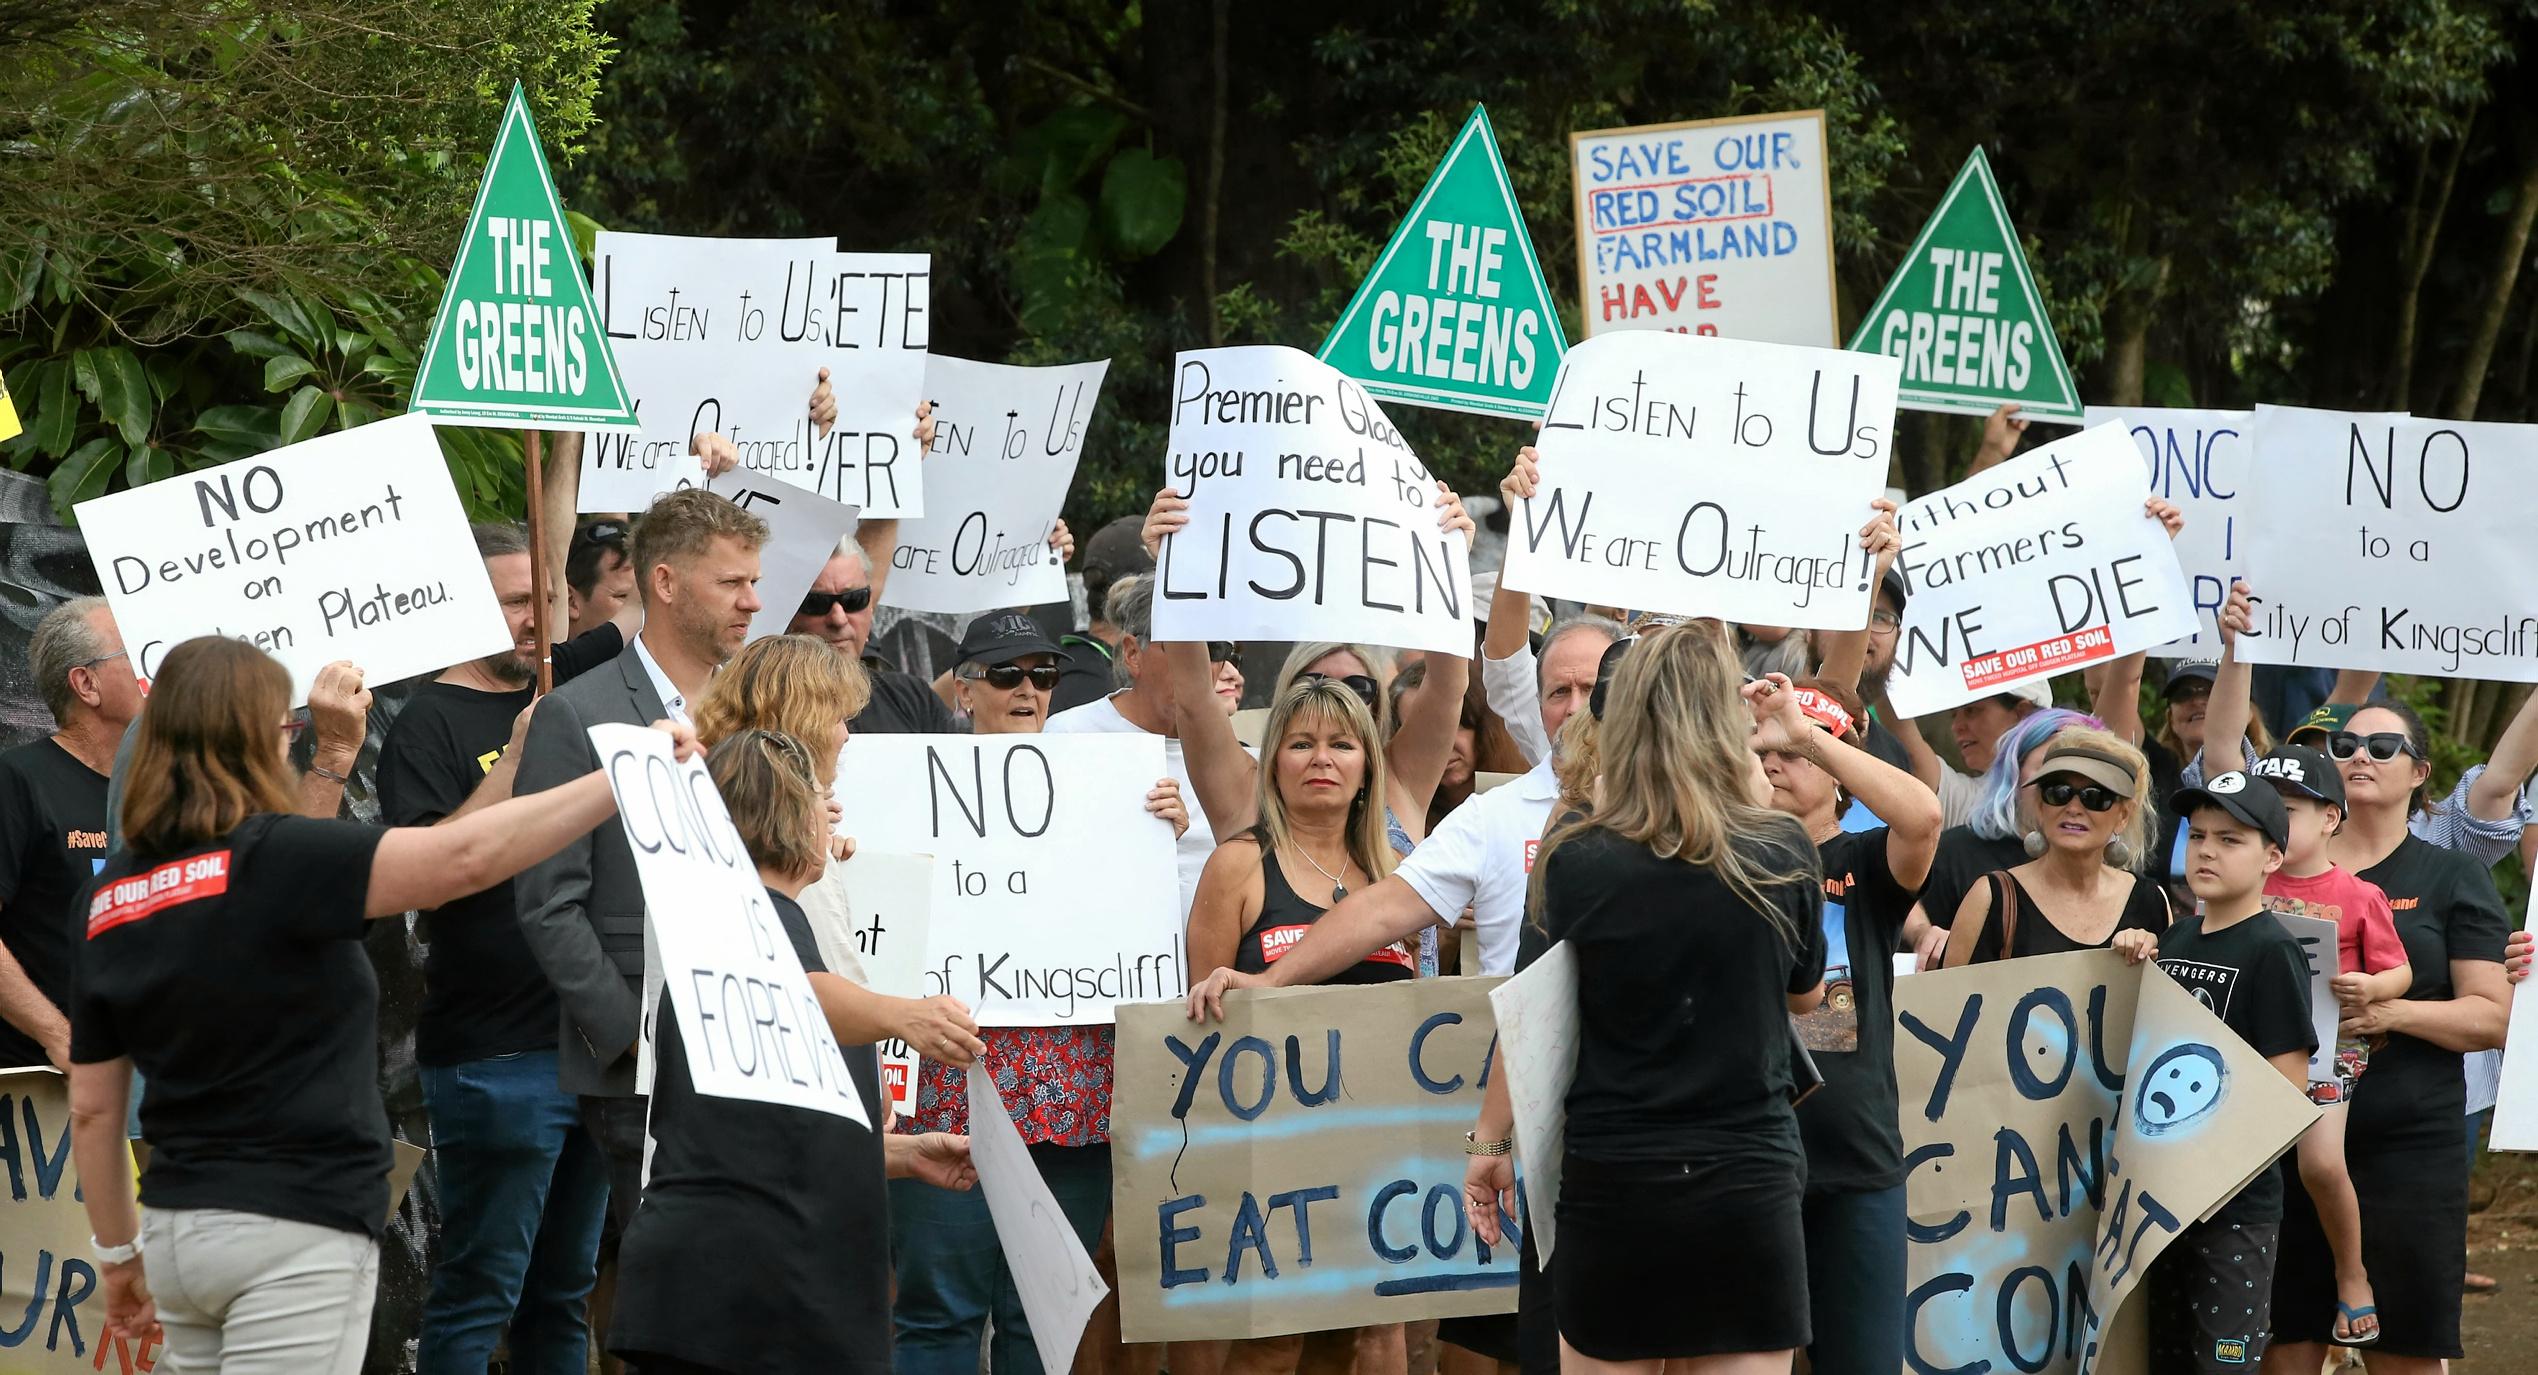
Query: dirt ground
x=2500, y=1330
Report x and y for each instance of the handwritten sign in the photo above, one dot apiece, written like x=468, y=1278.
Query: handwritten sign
x=2044, y=564
x=2317, y=937
x=890, y=906
x=1710, y=226
x=1669, y=463
x=803, y=531
x=2197, y=459
x=1056, y=1279
x=351, y=545
x=1537, y=1040
x=752, y=1027
x=1310, y=518
x=2393, y=543
x=1006, y=441
x=729, y=335
x=1056, y=895
x=1299, y=1166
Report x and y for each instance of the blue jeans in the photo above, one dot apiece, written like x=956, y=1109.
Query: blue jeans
x=1855, y=1281
x=952, y=1274
x=523, y=1189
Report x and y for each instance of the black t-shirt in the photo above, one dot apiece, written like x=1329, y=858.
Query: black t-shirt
x=902, y=704
x=1849, y=1126
x=2446, y=909
x=483, y=993
x=1887, y=745
x=2252, y=976
x=762, y=1242
x=52, y=843
x=2167, y=774
x=1085, y=677
x=1963, y=858
x=1684, y=1045
x=233, y=974
x=586, y=651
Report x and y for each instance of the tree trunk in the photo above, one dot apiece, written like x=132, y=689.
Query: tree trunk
x=2127, y=349
x=1215, y=172
x=2498, y=297
x=2423, y=231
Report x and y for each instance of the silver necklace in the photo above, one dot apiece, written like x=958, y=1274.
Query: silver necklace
x=1339, y=889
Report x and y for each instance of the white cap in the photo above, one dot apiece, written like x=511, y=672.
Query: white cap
x=2037, y=693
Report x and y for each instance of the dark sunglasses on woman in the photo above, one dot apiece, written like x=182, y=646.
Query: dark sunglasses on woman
x=2059, y=792
x=1359, y=683
x=852, y=600
x=607, y=532
x=1224, y=652
x=1007, y=677
x=2383, y=746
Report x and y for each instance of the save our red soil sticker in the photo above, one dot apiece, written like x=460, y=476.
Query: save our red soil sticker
x=2044, y=656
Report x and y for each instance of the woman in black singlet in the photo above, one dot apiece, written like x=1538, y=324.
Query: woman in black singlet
x=2085, y=822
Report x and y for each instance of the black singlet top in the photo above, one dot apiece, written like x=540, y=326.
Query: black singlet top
x=1285, y=917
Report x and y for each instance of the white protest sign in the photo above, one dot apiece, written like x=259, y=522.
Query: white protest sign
x=1537, y=1049
x=2044, y=564
x=729, y=335
x=803, y=530
x=2515, y=1126
x=2317, y=938
x=351, y=545
x=2198, y=460
x=1056, y=1279
x=1709, y=477
x=1006, y=440
x=1056, y=895
x=1712, y=226
x=2393, y=543
x=1310, y=519
x=752, y=1027
x=890, y=906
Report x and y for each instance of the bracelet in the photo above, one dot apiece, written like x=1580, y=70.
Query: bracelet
x=1473, y=1145
x=328, y=774
x=115, y=1255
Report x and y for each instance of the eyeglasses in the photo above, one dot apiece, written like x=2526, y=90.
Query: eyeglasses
x=1364, y=686
x=852, y=600
x=1224, y=652
x=2059, y=792
x=608, y=532
x=1884, y=622
x=101, y=659
x=1007, y=677
x=2383, y=746
x=291, y=728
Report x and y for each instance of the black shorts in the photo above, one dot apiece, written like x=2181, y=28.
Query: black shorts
x=2211, y=1296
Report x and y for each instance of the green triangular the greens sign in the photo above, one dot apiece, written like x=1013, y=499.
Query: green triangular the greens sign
x=516, y=342
x=1964, y=315
x=1456, y=315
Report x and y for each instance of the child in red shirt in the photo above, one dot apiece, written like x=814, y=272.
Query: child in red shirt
x=2371, y=967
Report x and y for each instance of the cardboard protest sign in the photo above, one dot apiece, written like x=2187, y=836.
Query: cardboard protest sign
x=891, y=907
x=1310, y=518
x=2393, y=543
x=1709, y=477
x=1708, y=226
x=2198, y=460
x=729, y=335
x=1006, y=441
x=1050, y=1268
x=1456, y=315
x=1056, y=896
x=2515, y=1125
x=1537, y=1050
x=351, y=545
x=750, y=1025
x=2025, y=1152
x=2041, y=565
x=803, y=531
x=1299, y=1166
x=516, y=342
x=1963, y=312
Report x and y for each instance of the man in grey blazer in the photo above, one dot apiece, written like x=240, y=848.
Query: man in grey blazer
x=696, y=567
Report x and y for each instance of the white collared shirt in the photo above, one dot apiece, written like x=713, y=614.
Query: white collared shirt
x=671, y=698
x=1481, y=857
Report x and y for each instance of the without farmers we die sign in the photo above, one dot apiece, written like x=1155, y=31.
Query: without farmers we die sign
x=1310, y=518
x=1709, y=477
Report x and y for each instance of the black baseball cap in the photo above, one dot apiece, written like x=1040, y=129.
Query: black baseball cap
x=2300, y=769
x=1893, y=585
x=1000, y=637
x=1118, y=550
x=2258, y=806
x=2190, y=671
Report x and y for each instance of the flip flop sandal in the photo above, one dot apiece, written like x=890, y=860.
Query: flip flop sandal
x=2349, y=1317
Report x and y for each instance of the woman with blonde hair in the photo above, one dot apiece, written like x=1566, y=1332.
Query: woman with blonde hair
x=799, y=688
x=1694, y=912
x=2085, y=822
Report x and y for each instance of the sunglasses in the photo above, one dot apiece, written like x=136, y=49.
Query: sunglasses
x=2383, y=746
x=2059, y=792
x=1359, y=683
x=1007, y=677
x=852, y=600
x=1224, y=652
x=607, y=532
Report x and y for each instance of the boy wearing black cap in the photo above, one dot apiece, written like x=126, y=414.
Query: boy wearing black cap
x=2249, y=972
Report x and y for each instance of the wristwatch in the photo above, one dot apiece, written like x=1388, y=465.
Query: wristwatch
x=1473, y=1145
x=115, y=1255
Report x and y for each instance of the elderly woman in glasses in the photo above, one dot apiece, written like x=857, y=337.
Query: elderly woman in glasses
x=2085, y=824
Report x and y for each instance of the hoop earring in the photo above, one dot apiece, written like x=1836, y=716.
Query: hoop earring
x=2033, y=843
x=2119, y=852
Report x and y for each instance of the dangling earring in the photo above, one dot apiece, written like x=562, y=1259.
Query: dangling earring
x=2033, y=843
x=2119, y=852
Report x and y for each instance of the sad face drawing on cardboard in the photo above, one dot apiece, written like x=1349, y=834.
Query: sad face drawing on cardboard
x=2181, y=1086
